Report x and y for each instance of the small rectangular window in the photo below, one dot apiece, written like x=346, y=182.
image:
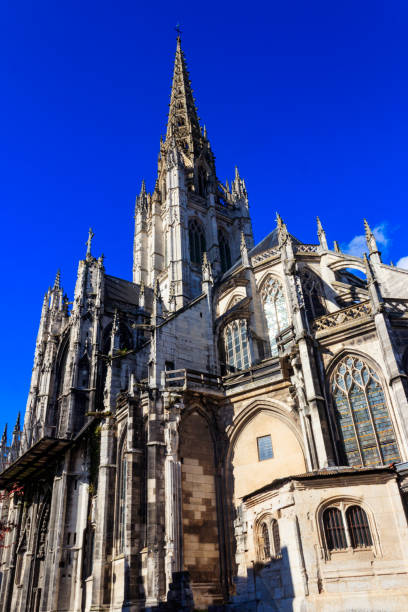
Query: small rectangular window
x=264, y=448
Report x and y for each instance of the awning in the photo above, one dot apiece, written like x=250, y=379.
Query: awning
x=35, y=460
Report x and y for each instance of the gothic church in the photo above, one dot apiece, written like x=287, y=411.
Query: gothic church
x=226, y=431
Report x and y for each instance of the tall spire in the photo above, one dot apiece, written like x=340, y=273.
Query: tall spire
x=371, y=243
x=183, y=124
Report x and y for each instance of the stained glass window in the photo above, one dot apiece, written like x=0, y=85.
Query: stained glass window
x=365, y=425
x=275, y=310
x=264, y=448
x=236, y=345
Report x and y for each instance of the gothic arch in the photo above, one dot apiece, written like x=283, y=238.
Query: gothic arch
x=375, y=366
x=197, y=240
x=277, y=409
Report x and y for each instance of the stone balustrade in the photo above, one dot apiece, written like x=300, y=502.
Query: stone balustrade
x=345, y=315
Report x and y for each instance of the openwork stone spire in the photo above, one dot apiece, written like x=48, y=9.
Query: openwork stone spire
x=183, y=125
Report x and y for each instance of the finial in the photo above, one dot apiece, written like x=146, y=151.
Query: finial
x=321, y=234
x=57, y=279
x=227, y=185
x=319, y=225
x=237, y=177
x=143, y=188
x=179, y=32
x=279, y=220
x=89, y=242
x=205, y=132
x=157, y=293
x=371, y=243
x=392, y=264
x=4, y=436
x=336, y=246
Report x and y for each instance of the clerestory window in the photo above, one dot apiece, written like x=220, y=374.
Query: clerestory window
x=197, y=242
x=276, y=313
x=365, y=427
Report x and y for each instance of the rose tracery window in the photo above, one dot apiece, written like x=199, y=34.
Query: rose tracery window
x=275, y=310
x=197, y=241
x=236, y=345
x=365, y=425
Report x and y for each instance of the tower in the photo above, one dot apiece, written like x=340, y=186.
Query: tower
x=190, y=211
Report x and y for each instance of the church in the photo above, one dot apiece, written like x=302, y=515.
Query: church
x=226, y=431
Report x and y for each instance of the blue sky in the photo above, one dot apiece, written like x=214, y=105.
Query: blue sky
x=308, y=99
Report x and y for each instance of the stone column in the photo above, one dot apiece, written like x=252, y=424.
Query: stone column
x=173, y=554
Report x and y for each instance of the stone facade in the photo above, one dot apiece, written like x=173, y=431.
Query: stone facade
x=230, y=428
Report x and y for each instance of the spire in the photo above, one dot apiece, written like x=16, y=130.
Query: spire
x=183, y=124
x=4, y=436
x=206, y=270
x=141, y=199
x=371, y=243
x=282, y=229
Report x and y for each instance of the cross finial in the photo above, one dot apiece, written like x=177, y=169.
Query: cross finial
x=178, y=30
x=89, y=242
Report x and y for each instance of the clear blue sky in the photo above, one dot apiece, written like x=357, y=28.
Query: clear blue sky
x=309, y=99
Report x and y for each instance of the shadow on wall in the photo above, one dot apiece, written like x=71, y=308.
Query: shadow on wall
x=268, y=587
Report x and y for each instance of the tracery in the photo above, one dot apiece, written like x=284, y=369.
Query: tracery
x=363, y=418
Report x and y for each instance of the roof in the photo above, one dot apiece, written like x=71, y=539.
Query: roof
x=119, y=290
x=330, y=472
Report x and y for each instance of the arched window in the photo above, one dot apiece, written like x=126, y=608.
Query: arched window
x=236, y=345
x=334, y=529
x=266, y=545
x=364, y=422
x=268, y=539
x=225, y=252
x=276, y=538
x=122, y=501
x=313, y=294
x=197, y=242
x=275, y=310
x=358, y=527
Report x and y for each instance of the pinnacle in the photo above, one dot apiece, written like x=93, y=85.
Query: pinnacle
x=57, y=280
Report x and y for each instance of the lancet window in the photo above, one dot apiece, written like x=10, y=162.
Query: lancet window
x=275, y=310
x=197, y=241
x=236, y=345
x=225, y=252
x=364, y=422
x=313, y=295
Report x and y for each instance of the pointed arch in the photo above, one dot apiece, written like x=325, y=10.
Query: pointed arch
x=366, y=432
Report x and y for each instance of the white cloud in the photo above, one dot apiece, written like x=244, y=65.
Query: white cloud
x=357, y=245
x=403, y=262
